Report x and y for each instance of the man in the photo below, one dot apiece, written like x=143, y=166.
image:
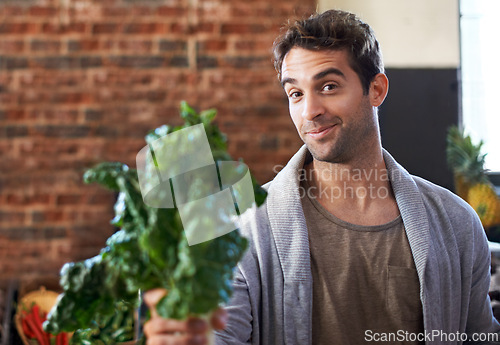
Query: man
x=349, y=248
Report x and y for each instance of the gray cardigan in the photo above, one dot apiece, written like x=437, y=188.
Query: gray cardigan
x=271, y=302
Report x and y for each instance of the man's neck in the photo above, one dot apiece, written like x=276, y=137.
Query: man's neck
x=358, y=192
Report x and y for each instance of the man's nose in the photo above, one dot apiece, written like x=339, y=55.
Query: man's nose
x=313, y=106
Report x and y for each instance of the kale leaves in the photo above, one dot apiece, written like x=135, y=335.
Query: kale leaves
x=150, y=250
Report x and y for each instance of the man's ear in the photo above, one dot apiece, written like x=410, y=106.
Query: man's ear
x=378, y=89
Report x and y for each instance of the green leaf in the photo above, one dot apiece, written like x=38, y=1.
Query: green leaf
x=207, y=116
x=189, y=115
x=107, y=174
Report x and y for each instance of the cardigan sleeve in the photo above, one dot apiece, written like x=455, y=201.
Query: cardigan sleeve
x=238, y=330
x=482, y=327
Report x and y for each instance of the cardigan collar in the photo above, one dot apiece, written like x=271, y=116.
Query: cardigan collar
x=288, y=224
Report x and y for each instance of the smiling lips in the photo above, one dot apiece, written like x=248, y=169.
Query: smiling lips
x=320, y=132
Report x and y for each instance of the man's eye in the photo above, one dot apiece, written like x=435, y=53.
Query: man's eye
x=329, y=87
x=294, y=94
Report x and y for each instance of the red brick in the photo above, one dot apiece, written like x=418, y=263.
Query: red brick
x=8, y=99
x=41, y=45
x=18, y=28
x=10, y=11
x=14, y=114
x=68, y=199
x=244, y=10
x=61, y=115
x=172, y=45
x=14, y=62
x=138, y=61
x=105, y=28
x=47, y=79
x=143, y=28
x=262, y=10
x=145, y=11
x=47, y=216
x=247, y=61
x=82, y=13
x=213, y=45
x=7, y=148
x=14, y=131
x=205, y=62
x=24, y=199
x=81, y=236
x=135, y=78
x=33, y=97
x=137, y=46
x=242, y=28
x=44, y=147
x=101, y=198
x=115, y=11
x=41, y=182
x=46, y=11
x=64, y=28
x=11, y=217
x=11, y=46
x=62, y=131
x=6, y=78
x=204, y=28
x=99, y=215
x=70, y=98
x=64, y=62
x=178, y=28
x=254, y=45
x=168, y=11
x=83, y=45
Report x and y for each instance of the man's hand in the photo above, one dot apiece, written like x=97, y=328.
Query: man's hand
x=160, y=331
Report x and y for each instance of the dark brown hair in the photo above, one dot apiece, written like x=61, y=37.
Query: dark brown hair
x=334, y=30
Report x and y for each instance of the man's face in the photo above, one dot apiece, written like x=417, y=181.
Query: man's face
x=336, y=121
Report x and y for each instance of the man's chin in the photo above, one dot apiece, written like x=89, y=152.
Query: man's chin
x=326, y=155
x=321, y=155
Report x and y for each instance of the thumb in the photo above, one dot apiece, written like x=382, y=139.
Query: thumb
x=152, y=297
x=219, y=319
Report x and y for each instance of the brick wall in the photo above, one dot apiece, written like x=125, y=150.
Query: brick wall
x=82, y=81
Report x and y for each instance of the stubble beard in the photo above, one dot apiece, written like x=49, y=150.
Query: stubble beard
x=348, y=143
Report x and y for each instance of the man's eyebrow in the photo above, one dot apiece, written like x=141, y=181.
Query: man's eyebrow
x=318, y=76
x=288, y=80
x=328, y=71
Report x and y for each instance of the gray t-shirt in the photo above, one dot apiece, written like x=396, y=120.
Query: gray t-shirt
x=365, y=285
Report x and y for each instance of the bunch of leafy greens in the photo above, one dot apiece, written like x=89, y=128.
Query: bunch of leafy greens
x=150, y=250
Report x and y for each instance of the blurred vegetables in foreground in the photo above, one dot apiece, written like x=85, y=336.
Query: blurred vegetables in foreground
x=31, y=319
x=150, y=250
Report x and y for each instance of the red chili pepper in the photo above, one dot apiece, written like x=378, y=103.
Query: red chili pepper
x=62, y=339
x=26, y=329
x=32, y=324
x=42, y=318
x=48, y=336
x=39, y=322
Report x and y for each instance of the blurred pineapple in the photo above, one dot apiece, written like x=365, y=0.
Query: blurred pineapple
x=471, y=182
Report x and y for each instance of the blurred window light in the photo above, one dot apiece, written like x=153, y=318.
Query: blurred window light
x=481, y=75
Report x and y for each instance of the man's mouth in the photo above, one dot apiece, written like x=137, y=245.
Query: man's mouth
x=320, y=132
